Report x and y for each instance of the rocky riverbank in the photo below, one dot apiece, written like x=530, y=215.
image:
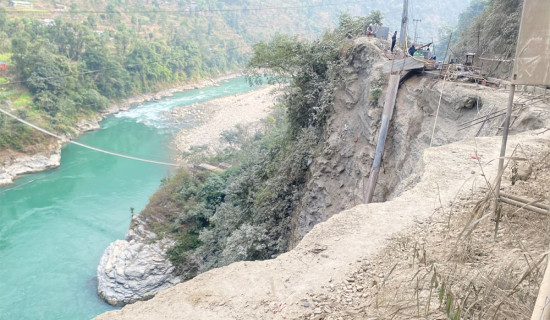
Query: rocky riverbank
x=15, y=163
x=218, y=115
x=135, y=268
x=48, y=156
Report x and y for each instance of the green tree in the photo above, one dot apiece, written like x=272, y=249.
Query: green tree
x=375, y=17
x=3, y=18
x=92, y=21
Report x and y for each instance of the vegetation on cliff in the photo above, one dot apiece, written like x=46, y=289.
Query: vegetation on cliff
x=245, y=213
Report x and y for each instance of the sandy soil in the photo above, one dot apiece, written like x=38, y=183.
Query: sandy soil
x=289, y=286
x=218, y=115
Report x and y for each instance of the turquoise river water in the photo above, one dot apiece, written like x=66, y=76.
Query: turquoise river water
x=55, y=225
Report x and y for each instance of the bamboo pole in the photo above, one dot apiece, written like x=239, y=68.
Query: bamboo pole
x=531, y=203
x=503, y=111
x=542, y=306
x=503, y=151
x=389, y=104
x=523, y=205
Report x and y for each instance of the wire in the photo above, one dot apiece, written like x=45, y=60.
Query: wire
x=439, y=104
x=84, y=145
x=189, y=11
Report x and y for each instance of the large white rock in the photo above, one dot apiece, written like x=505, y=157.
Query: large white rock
x=29, y=164
x=132, y=270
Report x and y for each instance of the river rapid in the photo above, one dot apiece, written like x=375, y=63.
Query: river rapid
x=54, y=225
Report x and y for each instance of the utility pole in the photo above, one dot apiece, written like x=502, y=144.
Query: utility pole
x=416, y=21
x=404, y=20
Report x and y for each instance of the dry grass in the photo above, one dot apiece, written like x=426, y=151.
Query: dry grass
x=452, y=266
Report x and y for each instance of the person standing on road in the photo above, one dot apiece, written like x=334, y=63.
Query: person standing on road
x=393, y=40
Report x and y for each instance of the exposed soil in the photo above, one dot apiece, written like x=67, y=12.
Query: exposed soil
x=359, y=263
x=453, y=259
x=343, y=162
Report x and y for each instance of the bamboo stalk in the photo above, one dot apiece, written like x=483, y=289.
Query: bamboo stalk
x=526, y=201
x=523, y=206
x=482, y=120
x=489, y=114
x=542, y=306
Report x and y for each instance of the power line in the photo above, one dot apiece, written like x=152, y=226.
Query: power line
x=189, y=11
x=84, y=145
x=416, y=21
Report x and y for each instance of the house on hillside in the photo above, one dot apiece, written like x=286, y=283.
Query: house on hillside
x=21, y=4
x=60, y=7
x=3, y=66
x=48, y=22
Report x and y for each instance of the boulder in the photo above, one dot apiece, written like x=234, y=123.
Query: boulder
x=88, y=125
x=524, y=171
x=132, y=270
x=15, y=166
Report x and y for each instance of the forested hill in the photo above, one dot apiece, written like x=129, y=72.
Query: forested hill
x=490, y=30
x=66, y=60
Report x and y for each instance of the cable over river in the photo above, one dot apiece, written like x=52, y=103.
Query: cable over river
x=54, y=225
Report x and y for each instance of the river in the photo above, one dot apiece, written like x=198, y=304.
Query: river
x=55, y=225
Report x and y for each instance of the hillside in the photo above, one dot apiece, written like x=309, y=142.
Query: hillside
x=490, y=30
x=268, y=222
x=282, y=185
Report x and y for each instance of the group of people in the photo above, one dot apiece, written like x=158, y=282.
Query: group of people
x=412, y=48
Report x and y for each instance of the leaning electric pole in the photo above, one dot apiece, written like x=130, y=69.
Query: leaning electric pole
x=404, y=21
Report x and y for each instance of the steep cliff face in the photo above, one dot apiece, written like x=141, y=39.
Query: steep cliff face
x=334, y=265
x=342, y=164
